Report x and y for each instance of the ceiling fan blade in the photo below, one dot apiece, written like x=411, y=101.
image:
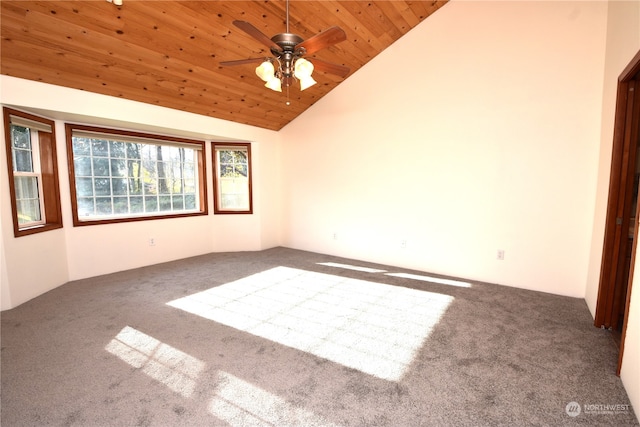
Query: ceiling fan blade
x=321, y=40
x=328, y=67
x=256, y=34
x=242, y=62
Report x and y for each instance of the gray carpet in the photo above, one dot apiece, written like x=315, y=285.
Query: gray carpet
x=291, y=338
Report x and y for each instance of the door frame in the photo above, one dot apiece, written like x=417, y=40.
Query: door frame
x=621, y=186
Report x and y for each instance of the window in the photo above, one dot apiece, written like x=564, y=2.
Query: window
x=127, y=176
x=232, y=178
x=33, y=172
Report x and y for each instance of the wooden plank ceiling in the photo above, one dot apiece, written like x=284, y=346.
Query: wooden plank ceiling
x=167, y=53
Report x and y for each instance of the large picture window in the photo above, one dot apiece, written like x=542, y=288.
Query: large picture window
x=33, y=172
x=232, y=178
x=124, y=176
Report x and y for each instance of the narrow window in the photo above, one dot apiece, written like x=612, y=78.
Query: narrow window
x=232, y=178
x=120, y=176
x=33, y=172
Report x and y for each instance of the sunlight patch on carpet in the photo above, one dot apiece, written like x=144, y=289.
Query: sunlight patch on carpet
x=352, y=267
x=241, y=404
x=424, y=278
x=372, y=327
x=170, y=366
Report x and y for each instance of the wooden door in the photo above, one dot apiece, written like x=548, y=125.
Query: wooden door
x=621, y=228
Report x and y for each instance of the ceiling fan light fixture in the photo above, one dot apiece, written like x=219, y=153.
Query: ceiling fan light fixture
x=306, y=82
x=274, y=83
x=265, y=71
x=303, y=70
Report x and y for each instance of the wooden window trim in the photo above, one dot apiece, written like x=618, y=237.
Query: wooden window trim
x=202, y=173
x=49, y=175
x=216, y=202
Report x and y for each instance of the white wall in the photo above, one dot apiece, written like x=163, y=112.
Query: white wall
x=487, y=127
x=33, y=264
x=477, y=131
x=78, y=252
x=623, y=42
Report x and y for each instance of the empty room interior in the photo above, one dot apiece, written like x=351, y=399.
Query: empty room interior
x=431, y=232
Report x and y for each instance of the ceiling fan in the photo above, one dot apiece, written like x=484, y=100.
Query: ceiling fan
x=288, y=49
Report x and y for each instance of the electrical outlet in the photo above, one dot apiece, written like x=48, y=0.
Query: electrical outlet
x=152, y=241
x=335, y=236
x=403, y=244
x=500, y=254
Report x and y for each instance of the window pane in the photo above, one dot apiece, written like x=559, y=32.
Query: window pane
x=99, y=148
x=117, y=149
x=22, y=161
x=82, y=166
x=102, y=187
x=26, y=187
x=226, y=156
x=85, y=206
x=127, y=178
x=28, y=211
x=20, y=137
x=84, y=187
x=151, y=204
x=234, y=201
x=118, y=167
x=163, y=186
x=164, y=152
x=177, y=203
x=22, y=149
x=149, y=172
x=226, y=171
x=136, y=204
x=100, y=167
x=233, y=173
x=190, y=201
x=120, y=205
x=151, y=187
x=165, y=203
x=241, y=170
x=103, y=206
x=133, y=151
x=119, y=186
x=81, y=147
x=164, y=169
x=27, y=199
x=240, y=156
x=135, y=186
x=133, y=168
x=189, y=186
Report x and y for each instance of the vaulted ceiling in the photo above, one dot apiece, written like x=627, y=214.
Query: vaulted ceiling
x=168, y=53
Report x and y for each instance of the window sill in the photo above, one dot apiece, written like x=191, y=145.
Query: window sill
x=35, y=229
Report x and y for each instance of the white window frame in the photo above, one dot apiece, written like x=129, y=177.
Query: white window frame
x=35, y=173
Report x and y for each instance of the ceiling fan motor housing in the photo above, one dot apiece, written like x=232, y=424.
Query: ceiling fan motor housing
x=287, y=41
x=288, y=54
